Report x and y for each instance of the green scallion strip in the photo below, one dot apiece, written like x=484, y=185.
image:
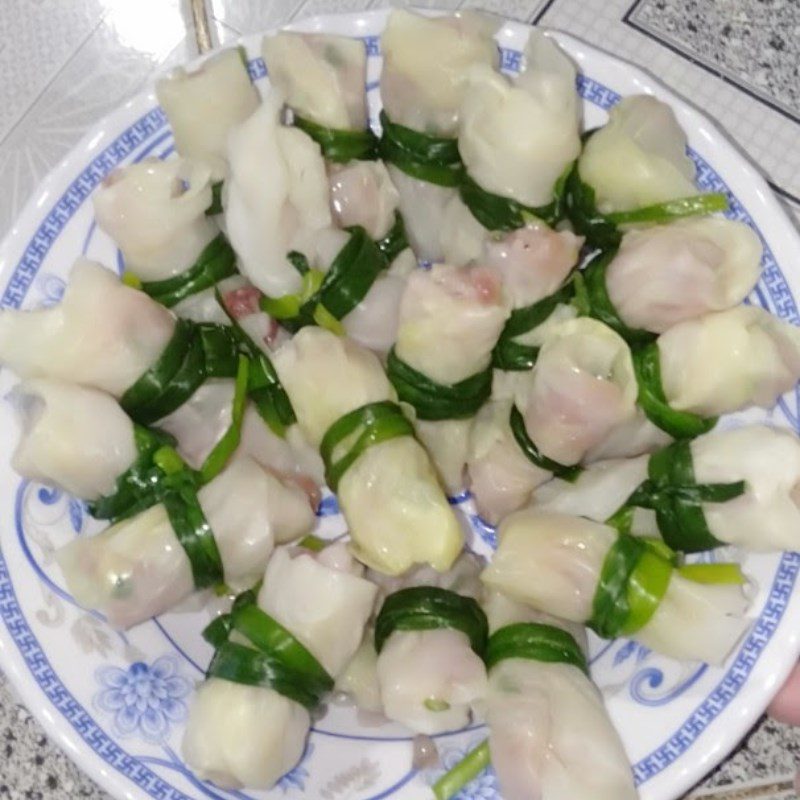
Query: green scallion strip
x=602, y=231
x=216, y=199
x=696, y=205
x=263, y=386
x=194, y=353
x=537, y=642
x=653, y=401
x=437, y=401
x=267, y=635
x=222, y=451
x=425, y=608
x=453, y=781
x=152, y=383
x=288, y=306
x=532, y=453
x=600, y=305
x=239, y=663
x=498, y=213
x=714, y=574
x=216, y=262
x=395, y=240
x=511, y=355
x=344, y=286
x=356, y=432
x=580, y=208
x=137, y=488
x=673, y=493
x=192, y=529
x=434, y=159
x=351, y=274
x=340, y=145
x=633, y=580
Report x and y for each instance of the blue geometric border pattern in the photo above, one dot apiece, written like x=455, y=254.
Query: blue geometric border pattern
x=78, y=191
x=77, y=716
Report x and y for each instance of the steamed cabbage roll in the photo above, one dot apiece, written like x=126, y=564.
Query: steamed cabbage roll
x=266, y=219
x=501, y=478
x=729, y=360
x=638, y=158
x=328, y=378
x=203, y=106
x=72, y=437
x=518, y=137
x=430, y=670
x=155, y=212
x=321, y=76
x=102, y=334
x=241, y=734
x=601, y=489
x=426, y=64
x=423, y=82
x=670, y=273
x=463, y=311
x=581, y=388
x=138, y=568
x=550, y=737
x=362, y=193
x=555, y=563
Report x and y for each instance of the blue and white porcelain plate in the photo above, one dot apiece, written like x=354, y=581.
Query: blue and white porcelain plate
x=117, y=702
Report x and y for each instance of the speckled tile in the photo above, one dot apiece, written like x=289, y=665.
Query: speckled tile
x=760, y=58
x=31, y=766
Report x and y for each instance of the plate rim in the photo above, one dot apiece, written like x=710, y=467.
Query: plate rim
x=104, y=132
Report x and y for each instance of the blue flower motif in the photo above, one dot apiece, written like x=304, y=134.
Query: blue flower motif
x=144, y=699
x=296, y=778
x=52, y=288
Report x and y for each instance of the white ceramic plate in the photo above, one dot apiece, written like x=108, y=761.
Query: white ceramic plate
x=82, y=679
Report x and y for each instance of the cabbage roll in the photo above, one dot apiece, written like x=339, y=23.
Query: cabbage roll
x=138, y=569
x=463, y=310
x=203, y=106
x=75, y=438
x=155, y=212
x=321, y=76
x=729, y=360
x=103, y=334
x=322, y=601
x=430, y=670
x=330, y=615
x=426, y=64
x=423, y=83
x=362, y=194
x=266, y=219
x=638, y=158
x=581, y=388
x=501, y=478
x=601, y=489
x=670, y=273
x=533, y=262
x=416, y=524
x=518, y=137
x=555, y=562
x=550, y=737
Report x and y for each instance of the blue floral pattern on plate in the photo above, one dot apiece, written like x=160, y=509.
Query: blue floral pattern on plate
x=144, y=699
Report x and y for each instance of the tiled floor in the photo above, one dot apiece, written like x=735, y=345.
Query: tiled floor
x=66, y=63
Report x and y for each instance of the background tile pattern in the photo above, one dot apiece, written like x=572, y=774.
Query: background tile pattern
x=66, y=63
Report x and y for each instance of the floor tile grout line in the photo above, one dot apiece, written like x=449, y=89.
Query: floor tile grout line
x=54, y=78
x=202, y=29
x=751, y=793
